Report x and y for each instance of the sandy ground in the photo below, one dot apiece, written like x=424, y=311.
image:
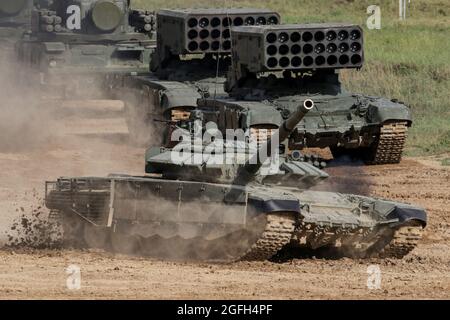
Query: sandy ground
x=101, y=147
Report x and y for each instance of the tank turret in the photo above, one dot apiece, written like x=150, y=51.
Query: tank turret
x=235, y=161
x=248, y=172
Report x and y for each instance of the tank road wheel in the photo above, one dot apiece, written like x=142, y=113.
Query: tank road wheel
x=402, y=241
x=277, y=233
x=125, y=244
x=95, y=237
x=389, y=146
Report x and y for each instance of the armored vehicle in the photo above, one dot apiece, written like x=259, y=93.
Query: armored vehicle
x=74, y=44
x=192, y=57
x=274, y=66
x=192, y=206
x=270, y=67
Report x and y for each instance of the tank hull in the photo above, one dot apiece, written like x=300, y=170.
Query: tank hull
x=368, y=128
x=255, y=225
x=372, y=129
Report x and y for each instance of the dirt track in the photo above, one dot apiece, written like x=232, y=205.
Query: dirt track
x=41, y=273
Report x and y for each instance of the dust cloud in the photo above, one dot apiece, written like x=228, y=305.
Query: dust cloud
x=347, y=175
x=23, y=124
x=42, y=139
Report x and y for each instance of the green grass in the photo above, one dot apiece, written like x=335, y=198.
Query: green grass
x=408, y=60
x=446, y=162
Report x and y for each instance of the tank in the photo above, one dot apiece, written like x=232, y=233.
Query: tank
x=191, y=60
x=268, y=66
x=189, y=206
x=74, y=45
x=278, y=65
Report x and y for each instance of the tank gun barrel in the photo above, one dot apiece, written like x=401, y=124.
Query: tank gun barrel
x=247, y=173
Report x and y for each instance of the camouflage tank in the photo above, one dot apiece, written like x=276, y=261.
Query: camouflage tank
x=75, y=44
x=191, y=60
x=201, y=209
x=276, y=66
x=288, y=62
x=15, y=19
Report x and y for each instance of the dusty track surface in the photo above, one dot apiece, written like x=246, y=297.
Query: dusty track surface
x=102, y=147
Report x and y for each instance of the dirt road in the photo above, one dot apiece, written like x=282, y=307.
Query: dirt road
x=98, y=150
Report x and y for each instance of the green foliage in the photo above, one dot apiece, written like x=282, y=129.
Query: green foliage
x=408, y=60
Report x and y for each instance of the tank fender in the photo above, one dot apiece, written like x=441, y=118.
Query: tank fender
x=264, y=205
x=401, y=213
x=406, y=214
x=382, y=110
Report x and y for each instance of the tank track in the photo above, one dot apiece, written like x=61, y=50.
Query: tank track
x=385, y=243
x=404, y=240
x=389, y=147
x=277, y=233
